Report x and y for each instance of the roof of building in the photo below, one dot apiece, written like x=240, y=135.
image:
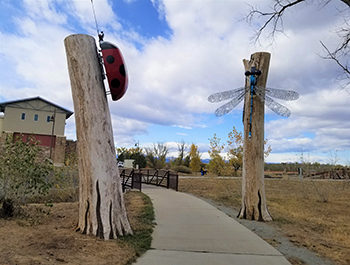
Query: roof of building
x=3, y=105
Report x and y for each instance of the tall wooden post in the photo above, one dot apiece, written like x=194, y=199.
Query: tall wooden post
x=253, y=188
x=101, y=204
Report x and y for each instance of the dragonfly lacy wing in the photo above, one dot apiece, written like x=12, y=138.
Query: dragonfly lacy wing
x=226, y=108
x=260, y=91
x=276, y=107
x=279, y=93
x=220, y=96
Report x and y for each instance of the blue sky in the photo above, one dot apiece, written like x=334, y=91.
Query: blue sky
x=178, y=53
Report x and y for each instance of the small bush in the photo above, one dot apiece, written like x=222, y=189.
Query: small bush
x=7, y=209
x=23, y=173
x=182, y=169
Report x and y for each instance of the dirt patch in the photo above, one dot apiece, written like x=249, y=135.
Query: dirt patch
x=47, y=236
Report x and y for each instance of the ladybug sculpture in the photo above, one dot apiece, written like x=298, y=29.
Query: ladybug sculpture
x=115, y=68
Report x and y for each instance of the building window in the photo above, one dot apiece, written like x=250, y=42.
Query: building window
x=48, y=118
x=36, y=117
x=23, y=116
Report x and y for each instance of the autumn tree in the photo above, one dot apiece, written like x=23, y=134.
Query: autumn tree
x=182, y=149
x=122, y=152
x=274, y=18
x=235, y=149
x=217, y=163
x=187, y=160
x=156, y=155
x=195, y=163
x=135, y=153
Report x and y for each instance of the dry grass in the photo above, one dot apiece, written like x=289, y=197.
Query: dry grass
x=48, y=237
x=313, y=214
x=141, y=217
x=225, y=191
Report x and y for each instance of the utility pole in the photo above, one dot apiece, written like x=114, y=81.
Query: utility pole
x=137, y=144
x=101, y=203
x=253, y=188
x=53, y=120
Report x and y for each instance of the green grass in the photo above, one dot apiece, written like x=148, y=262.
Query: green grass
x=142, y=225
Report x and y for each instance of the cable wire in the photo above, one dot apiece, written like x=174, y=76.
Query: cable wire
x=93, y=10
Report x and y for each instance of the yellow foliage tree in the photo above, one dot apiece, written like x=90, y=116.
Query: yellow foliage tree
x=195, y=163
x=235, y=149
x=217, y=163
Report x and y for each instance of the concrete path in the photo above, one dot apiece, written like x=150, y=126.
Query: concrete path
x=191, y=231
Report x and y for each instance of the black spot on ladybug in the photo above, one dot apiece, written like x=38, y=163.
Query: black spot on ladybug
x=110, y=59
x=122, y=70
x=115, y=83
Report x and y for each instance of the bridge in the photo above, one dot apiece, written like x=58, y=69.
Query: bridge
x=134, y=178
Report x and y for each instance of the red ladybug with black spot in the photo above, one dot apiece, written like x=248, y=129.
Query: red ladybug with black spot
x=115, y=69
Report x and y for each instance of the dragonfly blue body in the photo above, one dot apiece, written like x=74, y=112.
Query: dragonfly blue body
x=253, y=80
x=252, y=83
x=237, y=95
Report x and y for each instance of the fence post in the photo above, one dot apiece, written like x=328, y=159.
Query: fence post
x=177, y=181
x=168, y=180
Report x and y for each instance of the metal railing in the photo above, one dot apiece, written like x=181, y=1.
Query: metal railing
x=133, y=179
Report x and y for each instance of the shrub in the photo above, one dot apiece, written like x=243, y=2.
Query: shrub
x=22, y=173
x=182, y=169
x=7, y=209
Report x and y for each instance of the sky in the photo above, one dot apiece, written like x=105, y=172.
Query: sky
x=177, y=53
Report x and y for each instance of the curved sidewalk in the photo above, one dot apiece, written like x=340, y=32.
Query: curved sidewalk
x=191, y=231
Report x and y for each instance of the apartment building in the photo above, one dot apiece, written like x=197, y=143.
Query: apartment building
x=39, y=118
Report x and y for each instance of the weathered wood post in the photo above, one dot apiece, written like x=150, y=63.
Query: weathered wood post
x=101, y=204
x=253, y=188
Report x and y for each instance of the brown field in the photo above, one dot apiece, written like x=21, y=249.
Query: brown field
x=48, y=237
x=312, y=214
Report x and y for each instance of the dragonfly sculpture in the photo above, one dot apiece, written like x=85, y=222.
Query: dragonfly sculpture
x=237, y=95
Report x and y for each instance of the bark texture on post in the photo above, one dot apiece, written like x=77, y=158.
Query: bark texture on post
x=253, y=188
x=101, y=204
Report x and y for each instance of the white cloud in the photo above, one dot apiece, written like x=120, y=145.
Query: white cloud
x=45, y=11
x=104, y=14
x=171, y=77
x=323, y=116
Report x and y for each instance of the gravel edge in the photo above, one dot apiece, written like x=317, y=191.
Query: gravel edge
x=274, y=236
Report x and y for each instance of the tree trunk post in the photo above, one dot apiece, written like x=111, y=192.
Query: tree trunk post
x=101, y=203
x=253, y=188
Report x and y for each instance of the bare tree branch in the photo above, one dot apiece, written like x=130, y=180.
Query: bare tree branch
x=346, y=71
x=182, y=147
x=275, y=18
x=344, y=34
x=332, y=55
